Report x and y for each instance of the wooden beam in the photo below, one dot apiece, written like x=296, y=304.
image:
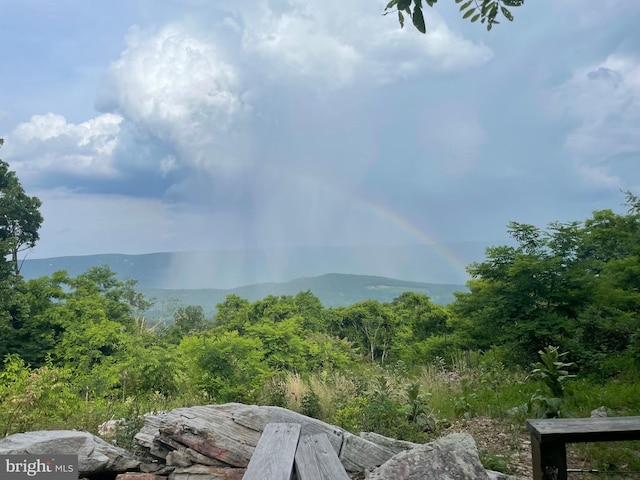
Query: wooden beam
x=576, y=430
x=550, y=436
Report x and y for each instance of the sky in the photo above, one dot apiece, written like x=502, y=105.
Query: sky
x=198, y=125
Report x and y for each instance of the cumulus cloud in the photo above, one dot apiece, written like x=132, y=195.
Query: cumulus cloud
x=177, y=88
x=49, y=144
x=340, y=43
x=604, y=101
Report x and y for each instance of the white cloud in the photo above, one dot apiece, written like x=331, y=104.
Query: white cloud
x=178, y=88
x=340, y=43
x=604, y=100
x=48, y=143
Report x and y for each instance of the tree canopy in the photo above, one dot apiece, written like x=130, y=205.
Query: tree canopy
x=20, y=217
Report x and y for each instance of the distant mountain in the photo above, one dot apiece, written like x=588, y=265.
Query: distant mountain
x=332, y=289
x=206, y=278
x=438, y=263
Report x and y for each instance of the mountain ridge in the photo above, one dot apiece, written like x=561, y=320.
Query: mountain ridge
x=332, y=289
x=233, y=268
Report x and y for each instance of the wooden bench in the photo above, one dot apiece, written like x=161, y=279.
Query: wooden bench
x=550, y=436
x=281, y=447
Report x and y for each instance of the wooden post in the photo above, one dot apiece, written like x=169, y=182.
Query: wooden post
x=549, y=460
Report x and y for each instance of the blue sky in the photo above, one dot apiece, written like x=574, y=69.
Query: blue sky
x=172, y=125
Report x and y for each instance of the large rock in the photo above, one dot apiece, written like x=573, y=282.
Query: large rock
x=396, y=446
x=454, y=457
x=501, y=476
x=94, y=454
x=226, y=435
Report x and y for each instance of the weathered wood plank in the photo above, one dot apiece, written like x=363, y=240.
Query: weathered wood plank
x=274, y=455
x=576, y=430
x=317, y=460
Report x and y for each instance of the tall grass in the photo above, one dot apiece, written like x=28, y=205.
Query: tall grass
x=415, y=404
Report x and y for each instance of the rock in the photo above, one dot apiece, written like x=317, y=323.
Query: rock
x=150, y=467
x=396, y=446
x=204, y=472
x=139, y=476
x=454, y=457
x=226, y=436
x=358, y=454
x=94, y=454
x=519, y=410
x=502, y=476
x=109, y=429
x=599, y=412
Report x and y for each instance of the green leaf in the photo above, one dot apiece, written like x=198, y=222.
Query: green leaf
x=391, y=4
x=513, y=3
x=402, y=4
x=507, y=14
x=469, y=13
x=431, y=3
x=458, y=1
x=418, y=20
x=464, y=6
x=475, y=18
x=401, y=19
x=486, y=6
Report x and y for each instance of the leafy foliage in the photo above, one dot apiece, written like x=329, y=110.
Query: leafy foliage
x=20, y=218
x=487, y=11
x=552, y=370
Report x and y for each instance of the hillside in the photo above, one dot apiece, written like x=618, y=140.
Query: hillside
x=205, y=278
x=333, y=290
x=441, y=263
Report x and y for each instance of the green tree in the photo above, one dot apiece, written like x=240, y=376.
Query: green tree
x=228, y=367
x=311, y=309
x=370, y=325
x=423, y=329
x=233, y=313
x=191, y=319
x=282, y=342
x=20, y=218
x=487, y=11
x=573, y=284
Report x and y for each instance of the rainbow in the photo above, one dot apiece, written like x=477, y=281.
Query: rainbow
x=424, y=238
x=381, y=211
